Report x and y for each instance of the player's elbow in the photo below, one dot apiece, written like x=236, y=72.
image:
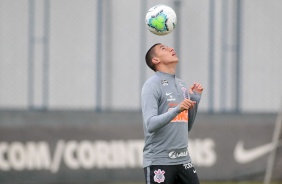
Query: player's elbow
x=151, y=131
x=150, y=127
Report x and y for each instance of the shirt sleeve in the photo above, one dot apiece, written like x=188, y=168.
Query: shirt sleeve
x=192, y=112
x=153, y=121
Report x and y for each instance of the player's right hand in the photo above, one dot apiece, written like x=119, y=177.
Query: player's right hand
x=186, y=104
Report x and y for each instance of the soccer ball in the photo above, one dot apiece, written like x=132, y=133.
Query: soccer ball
x=161, y=19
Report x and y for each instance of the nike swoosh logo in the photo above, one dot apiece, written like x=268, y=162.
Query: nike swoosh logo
x=168, y=94
x=244, y=156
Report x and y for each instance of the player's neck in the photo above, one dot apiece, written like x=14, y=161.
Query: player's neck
x=170, y=69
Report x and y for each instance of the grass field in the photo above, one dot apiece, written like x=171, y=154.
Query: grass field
x=212, y=182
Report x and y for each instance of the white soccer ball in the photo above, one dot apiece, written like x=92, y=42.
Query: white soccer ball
x=161, y=19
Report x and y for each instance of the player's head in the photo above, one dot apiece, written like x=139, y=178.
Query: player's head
x=160, y=56
x=150, y=55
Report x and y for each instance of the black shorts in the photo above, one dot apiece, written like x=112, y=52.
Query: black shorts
x=171, y=174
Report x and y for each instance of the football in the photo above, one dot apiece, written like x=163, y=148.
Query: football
x=161, y=19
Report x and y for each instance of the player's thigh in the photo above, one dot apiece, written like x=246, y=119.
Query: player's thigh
x=187, y=174
x=165, y=174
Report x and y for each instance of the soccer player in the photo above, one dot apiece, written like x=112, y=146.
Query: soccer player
x=169, y=109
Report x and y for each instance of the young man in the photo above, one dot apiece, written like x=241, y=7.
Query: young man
x=169, y=110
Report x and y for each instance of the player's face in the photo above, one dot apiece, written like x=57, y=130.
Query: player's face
x=166, y=54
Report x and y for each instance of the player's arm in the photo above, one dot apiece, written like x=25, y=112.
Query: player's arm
x=195, y=92
x=153, y=121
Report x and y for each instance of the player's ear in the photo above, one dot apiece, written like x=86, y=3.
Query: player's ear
x=155, y=60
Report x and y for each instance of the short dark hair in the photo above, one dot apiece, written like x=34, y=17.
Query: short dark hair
x=149, y=56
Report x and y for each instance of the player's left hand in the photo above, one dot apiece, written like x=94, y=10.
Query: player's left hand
x=196, y=87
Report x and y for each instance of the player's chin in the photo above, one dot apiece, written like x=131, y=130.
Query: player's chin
x=176, y=58
x=173, y=60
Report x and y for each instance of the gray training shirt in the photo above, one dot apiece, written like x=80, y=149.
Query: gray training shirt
x=165, y=127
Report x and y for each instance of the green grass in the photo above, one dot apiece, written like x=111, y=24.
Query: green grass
x=212, y=182
x=237, y=182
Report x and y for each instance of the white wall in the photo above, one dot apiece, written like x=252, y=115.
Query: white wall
x=72, y=53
